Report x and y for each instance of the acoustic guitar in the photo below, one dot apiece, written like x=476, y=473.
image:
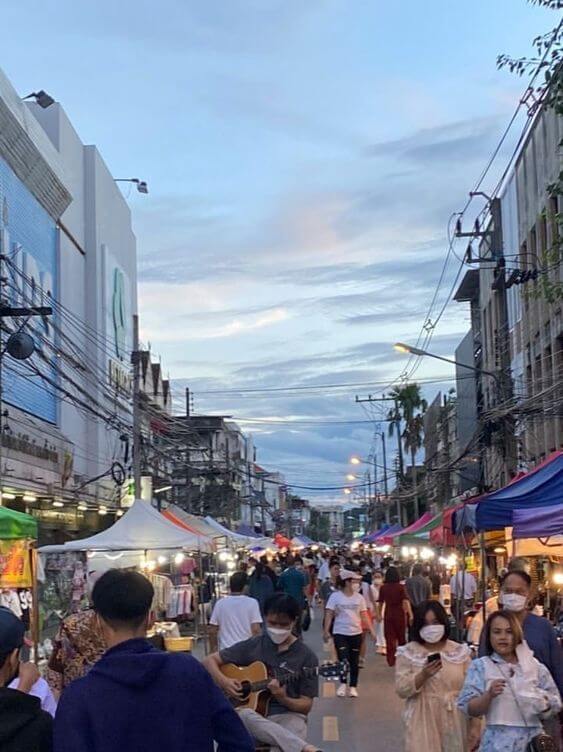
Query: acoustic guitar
x=255, y=678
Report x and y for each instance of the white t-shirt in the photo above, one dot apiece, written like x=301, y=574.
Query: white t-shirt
x=347, y=610
x=235, y=615
x=324, y=571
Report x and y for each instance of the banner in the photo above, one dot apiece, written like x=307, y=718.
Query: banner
x=15, y=565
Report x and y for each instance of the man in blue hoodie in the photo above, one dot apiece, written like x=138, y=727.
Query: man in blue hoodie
x=139, y=698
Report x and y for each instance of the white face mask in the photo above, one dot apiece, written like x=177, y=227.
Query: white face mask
x=356, y=587
x=513, y=601
x=277, y=636
x=432, y=633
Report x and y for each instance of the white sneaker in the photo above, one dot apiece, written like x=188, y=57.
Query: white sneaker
x=353, y=692
x=341, y=691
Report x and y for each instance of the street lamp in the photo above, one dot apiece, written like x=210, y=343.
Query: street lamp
x=403, y=348
x=142, y=186
x=362, y=461
x=351, y=477
x=43, y=99
x=347, y=491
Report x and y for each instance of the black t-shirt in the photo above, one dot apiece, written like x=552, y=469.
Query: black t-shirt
x=280, y=665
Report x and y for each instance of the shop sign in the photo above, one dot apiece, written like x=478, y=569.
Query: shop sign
x=119, y=378
x=15, y=566
x=22, y=443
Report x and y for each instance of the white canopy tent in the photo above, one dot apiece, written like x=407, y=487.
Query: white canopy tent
x=142, y=528
x=238, y=539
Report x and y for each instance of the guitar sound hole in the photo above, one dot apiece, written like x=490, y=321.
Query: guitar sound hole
x=246, y=688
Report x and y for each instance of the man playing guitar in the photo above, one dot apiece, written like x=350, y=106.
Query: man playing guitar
x=285, y=656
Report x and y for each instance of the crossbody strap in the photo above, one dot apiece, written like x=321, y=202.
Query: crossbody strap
x=512, y=691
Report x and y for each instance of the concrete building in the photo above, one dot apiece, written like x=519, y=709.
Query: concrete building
x=65, y=231
x=440, y=451
x=515, y=298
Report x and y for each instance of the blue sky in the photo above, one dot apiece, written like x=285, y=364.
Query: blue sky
x=303, y=158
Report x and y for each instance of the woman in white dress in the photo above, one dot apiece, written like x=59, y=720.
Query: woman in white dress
x=429, y=675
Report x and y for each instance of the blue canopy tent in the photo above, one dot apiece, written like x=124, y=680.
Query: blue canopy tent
x=542, y=487
x=370, y=536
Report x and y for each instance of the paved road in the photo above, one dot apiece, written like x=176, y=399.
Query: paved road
x=371, y=723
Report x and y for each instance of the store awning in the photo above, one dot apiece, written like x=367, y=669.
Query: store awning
x=444, y=535
x=420, y=536
x=542, y=522
x=142, y=528
x=541, y=487
x=16, y=525
x=418, y=525
x=387, y=538
x=370, y=537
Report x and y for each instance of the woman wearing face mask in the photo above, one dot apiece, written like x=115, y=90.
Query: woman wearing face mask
x=429, y=675
x=348, y=610
x=516, y=596
x=510, y=687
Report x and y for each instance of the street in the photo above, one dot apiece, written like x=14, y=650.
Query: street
x=367, y=724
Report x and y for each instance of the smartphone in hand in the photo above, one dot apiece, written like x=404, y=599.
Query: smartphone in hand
x=434, y=657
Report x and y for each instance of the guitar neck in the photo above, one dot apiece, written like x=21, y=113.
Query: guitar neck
x=263, y=684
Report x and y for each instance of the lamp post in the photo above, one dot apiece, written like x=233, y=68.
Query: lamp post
x=401, y=347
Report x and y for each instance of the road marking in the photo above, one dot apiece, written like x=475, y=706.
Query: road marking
x=330, y=729
x=329, y=689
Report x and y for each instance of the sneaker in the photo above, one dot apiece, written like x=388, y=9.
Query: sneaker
x=353, y=692
x=341, y=691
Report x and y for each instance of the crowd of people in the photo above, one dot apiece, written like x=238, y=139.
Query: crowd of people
x=108, y=689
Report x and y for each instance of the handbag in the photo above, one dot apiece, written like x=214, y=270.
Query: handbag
x=540, y=742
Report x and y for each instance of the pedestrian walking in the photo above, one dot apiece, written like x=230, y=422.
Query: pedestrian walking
x=375, y=590
x=294, y=582
x=429, y=676
x=236, y=617
x=260, y=585
x=418, y=587
x=398, y=612
x=511, y=688
x=346, y=617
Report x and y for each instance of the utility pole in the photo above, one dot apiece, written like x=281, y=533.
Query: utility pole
x=385, y=481
x=136, y=361
x=400, y=473
x=188, y=402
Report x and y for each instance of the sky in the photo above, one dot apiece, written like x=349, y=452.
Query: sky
x=303, y=160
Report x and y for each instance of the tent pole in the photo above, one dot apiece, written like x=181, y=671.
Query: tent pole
x=483, y=575
x=35, y=598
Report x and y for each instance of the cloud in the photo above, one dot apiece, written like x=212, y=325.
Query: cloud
x=464, y=140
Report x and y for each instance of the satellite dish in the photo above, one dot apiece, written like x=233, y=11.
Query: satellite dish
x=20, y=346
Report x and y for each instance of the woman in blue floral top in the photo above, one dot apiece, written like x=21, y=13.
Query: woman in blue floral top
x=509, y=687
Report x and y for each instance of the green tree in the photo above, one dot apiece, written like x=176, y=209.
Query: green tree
x=319, y=526
x=409, y=410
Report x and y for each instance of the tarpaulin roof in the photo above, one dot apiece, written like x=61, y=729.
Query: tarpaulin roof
x=539, y=522
x=444, y=535
x=370, y=537
x=192, y=522
x=417, y=525
x=141, y=528
x=422, y=534
x=281, y=541
x=16, y=525
x=244, y=529
x=386, y=539
x=237, y=538
x=542, y=487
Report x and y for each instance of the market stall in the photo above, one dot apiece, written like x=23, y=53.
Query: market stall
x=18, y=568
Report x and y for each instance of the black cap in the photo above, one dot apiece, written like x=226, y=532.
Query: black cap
x=12, y=631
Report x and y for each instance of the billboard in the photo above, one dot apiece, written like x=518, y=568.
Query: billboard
x=28, y=238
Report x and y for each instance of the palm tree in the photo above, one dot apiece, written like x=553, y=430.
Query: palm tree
x=409, y=408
